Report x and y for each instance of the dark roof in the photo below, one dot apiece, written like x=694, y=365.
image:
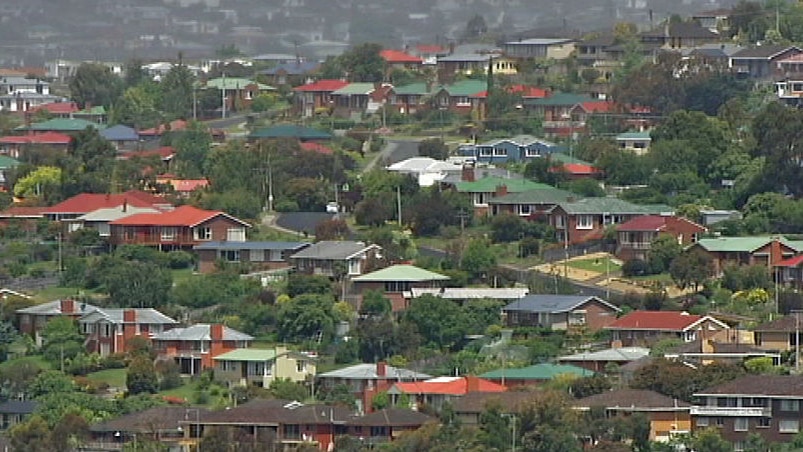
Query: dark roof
x=290, y=131
x=759, y=385
x=603, y=40
x=18, y=407
x=120, y=133
x=391, y=417
x=631, y=399
x=331, y=250
x=151, y=420
x=696, y=346
x=293, y=68
x=553, y=303
x=251, y=245
x=785, y=324
x=476, y=402
x=764, y=52
x=682, y=30
x=275, y=412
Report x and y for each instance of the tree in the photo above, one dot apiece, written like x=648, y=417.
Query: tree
x=691, y=269
x=89, y=165
x=192, y=147
x=135, y=283
x=507, y=228
x=306, y=317
x=135, y=73
x=709, y=440
x=284, y=388
x=475, y=27
x=782, y=146
x=176, y=92
x=334, y=229
x=663, y=250
x=95, y=84
x=70, y=431
x=61, y=341
x=42, y=182
x=50, y=382
x=478, y=258
x=434, y=148
x=441, y=322
x=138, y=107
x=363, y=63
x=31, y=436
x=374, y=303
x=141, y=376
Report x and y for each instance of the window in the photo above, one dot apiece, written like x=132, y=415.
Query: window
x=256, y=369
x=235, y=235
x=788, y=426
x=532, y=152
x=577, y=317
x=226, y=366
x=301, y=366
x=169, y=234
x=559, y=223
x=230, y=255
x=479, y=199
x=500, y=152
x=525, y=209
x=292, y=431
x=739, y=446
x=790, y=405
x=202, y=233
x=585, y=222
x=740, y=424
x=256, y=255
x=276, y=256
x=719, y=422
x=702, y=421
x=486, y=152
x=354, y=267
x=763, y=422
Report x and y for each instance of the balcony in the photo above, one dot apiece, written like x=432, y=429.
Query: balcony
x=722, y=411
x=636, y=245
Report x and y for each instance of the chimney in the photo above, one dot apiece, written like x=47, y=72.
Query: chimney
x=216, y=332
x=467, y=174
x=501, y=190
x=451, y=48
x=130, y=316
x=381, y=369
x=472, y=384
x=67, y=306
x=125, y=205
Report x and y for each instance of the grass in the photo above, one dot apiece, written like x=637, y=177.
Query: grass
x=112, y=377
x=181, y=275
x=56, y=293
x=595, y=265
x=661, y=277
x=37, y=360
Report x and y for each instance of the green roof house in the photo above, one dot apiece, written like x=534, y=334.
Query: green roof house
x=767, y=251
x=353, y=99
x=396, y=282
x=238, y=92
x=487, y=188
x=531, y=202
x=636, y=142
x=253, y=366
x=63, y=125
x=534, y=375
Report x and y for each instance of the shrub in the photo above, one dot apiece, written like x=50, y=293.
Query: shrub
x=286, y=205
x=180, y=259
x=635, y=267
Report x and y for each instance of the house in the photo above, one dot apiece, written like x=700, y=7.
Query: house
x=289, y=131
x=15, y=146
x=325, y=258
x=556, y=112
x=780, y=334
x=397, y=59
x=481, y=191
x=194, y=347
x=586, y=219
x=409, y=99
x=291, y=72
x=761, y=61
x=789, y=271
x=32, y=320
x=530, y=204
x=464, y=63
x=22, y=94
x=721, y=349
x=712, y=217
x=436, y=392
x=634, y=237
x=352, y=99
x=593, y=53
x=160, y=424
x=463, y=295
x=258, y=256
x=457, y=97
x=668, y=417
x=426, y=170
x=395, y=282
x=121, y=136
x=552, y=48
x=237, y=92
x=715, y=56
x=385, y=425
x=108, y=331
x=635, y=142
x=533, y=375
x=480, y=100
x=679, y=35
x=318, y=148
x=717, y=20
x=602, y=360
x=13, y=412
x=181, y=228
x=560, y=312
x=571, y=168
x=429, y=53
x=99, y=219
x=260, y=367
x=89, y=202
x=366, y=380
x=61, y=125
x=521, y=148
x=24, y=217
x=764, y=405
x=470, y=407
x=644, y=328
x=766, y=251
x=314, y=97
x=155, y=133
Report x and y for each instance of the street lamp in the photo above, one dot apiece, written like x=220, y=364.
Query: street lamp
x=512, y=418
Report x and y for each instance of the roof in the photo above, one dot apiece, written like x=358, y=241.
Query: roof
x=326, y=85
x=477, y=402
x=618, y=354
x=8, y=162
x=23, y=212
x=632, y=400
x=38, y=138
x=178, y=124
x=54, y=308
x=200, y=332
x=608, y=205
x=431, y=48
x=736, y=244
x=634, y=136
x=655, y=223
x=660, y=321
x=469, y=293
x=368, y=372
x=447, y=386
x=293, y=68
x=275, y=412
x=88, y=202
x=248, y=354
x=397, y=56
x=166, y=153
x=754, y=385
x=785, y=324
x=160, y=418
x=411, y=89
x=543, y=371
x=490, y=184
x=228, y=245
x=764, y=52
x=422, y=165
x=540, y=41
x=312, y=146
x=181, y=216
x=63, y=125
x=18, y=407
x=147, y=316
x=683, y=30
x=554, y=303
x=331, y=250
x=391, y=417
x=560, y=99
x=355, y=89
x=409, y=273
x=57, y=108
x=114, y=213
x=290, y=131
x=234, y=83
x=577, y=168
x=120, y=132
x=465, y=88
x=465, y=57
x=791, y=262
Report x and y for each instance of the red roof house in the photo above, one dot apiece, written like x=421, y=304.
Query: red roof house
x=15, y=145
x=398, y=58
x=181, y=228
x=437, y=391
x=178, y=124
x=634, y=237
x=316, y=95
x=87, y=202
x=62, y=109
x=643, y=328
x=182, y=186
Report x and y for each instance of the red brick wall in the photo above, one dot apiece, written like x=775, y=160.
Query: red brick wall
x=598, y=316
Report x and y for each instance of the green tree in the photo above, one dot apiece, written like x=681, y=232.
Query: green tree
x=135, y=283
x=286, y=389
x=192, y=146
x=135, y=73
x=61, y=341
x=363, y=63
x=43, y=180
x=434, y=148
x=691, y=269
x=709, y=440
x=781, y=144
x=478, y=258
x=89, y=165
x=95, y=84
x=663, y=250
x=141, y=377
x=475, y=27
x=306, y=317
x=50, y=382
x=374, y=303
x=31, y=436
x=176, y=92
x=440, y=322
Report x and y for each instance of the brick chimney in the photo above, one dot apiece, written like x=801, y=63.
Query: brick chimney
x=381, y=369
x=467, y=174
x=472, y=384
x=501, y=190
x=130, y=316
x=67, y=306
x=216, y=331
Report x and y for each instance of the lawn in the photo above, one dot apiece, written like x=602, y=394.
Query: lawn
x=56, y=293
x=599, y=265
x=661, y=277
x=113, y=377
x=182, y=274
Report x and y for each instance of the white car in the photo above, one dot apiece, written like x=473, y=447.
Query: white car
x=332, y=207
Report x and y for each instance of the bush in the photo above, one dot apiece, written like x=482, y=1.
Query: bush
x=37, y=272
x=286, y=205
x=635, y=267
x=16, y=269
x=180, y=259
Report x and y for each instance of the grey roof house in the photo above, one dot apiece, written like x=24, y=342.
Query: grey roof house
x=108, y=331
x=260, y=256
x=324, y=257
x=560, y=312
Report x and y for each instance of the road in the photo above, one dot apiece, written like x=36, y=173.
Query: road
x=394, y=151
x=225, y=123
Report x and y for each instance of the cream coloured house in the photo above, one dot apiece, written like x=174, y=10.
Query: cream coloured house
x=259, y=367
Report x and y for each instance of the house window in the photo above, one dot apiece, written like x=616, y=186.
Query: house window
x=740, y=424
x=226, y=366
x=256, y=255
x=763, y=422
x=525, y=209
x=203, y=233
x=301, y=366
x=230, y=255
x=559, y=223
x=276, y=256
x=485, y=152
x=291, y=431
x=235, y=235
x=720, y=422
x=532, y=152
x=790, y=405
x=354, y=267
x=479, y=199
x=379, y=431
x=169, y=234
x=577, y=317
x=702, y=421
x=585, y=222
x=462, y=101
x=256, y=369
x=500, y=152
x=788, y=426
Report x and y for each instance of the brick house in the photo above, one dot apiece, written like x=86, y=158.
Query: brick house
x=238, y=92
x=560, y=312
x=195, y=347
x=182, y=228
x=644, y=328
x=779, y=334
x=383, y=426
x=481, y=191
x=259, y=256
x=32, y=320
x=634, y=237
x=766, y=251
x=89, y=202
x=366, y=380
x=108, y=331
x=397, y=59
x=436, y=392
x=761, y=61
x=324, y=257
x=395, y=282
x=587, y=219
x=16, y=145
x=311, y=97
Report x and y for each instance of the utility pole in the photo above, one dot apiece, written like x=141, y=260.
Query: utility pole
x=398, y=204
x=223, y=96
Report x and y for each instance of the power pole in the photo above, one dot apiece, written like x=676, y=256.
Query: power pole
x=398, y=204
x=223, y=96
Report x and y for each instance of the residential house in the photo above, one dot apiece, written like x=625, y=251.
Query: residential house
x=237, y=92
x=54, y=109
x=291, y=73
x=397, y=59
x=161, y=424
x=722, y=348
x=194, y=347
x=764, y=405
x=181, y=228
x=70, y=126
x=260, y=367
x=715, y=56
x=99, y=219
x=313, y=97
x=352, y=100
x=89, y=202
x=409, y=99
x=109, y=331
x=530, y=204
x=258, y=256
x=539, y=48
x=457, y=97
x=711, y=217
x=121, y=136
x=24, y=217
x=300, y=133
x=479, y=100
x=32, y=320
x=593, y=53
x=13, y=412
x=16, y=146
x=22, y=94
x=169, y=183
x=470, y=407
x=517, y=149
x=385, y=425
x=331, y=258
x=559, y=113
x=465, y=63
x=318, y=148
x=717, y=20
x=789, y=271
x=155, y=133
x=679, y=35
x=668, y=417
x=761, y=61
x=635, y=142
x=481, y=191
x=366, y=380
x=429, y=53
x=765, y=251
x=586, y=219
x=7, y=164
x=634, y=237
x=790, y=67
x=165, y=154
x=396, y=282
x=603, y=360
x=570, y=313
x=644, y=328
x=426, y=170
x=96, y=114
x=462, y=295
x=781, y=334
x=534, y=375
x=436, y=392
x=572, y=168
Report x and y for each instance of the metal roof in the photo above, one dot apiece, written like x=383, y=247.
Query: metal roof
x=409, y=273
x=331, y=250
x=368, y=372
x=553, y=303
x=543, y=371
x=609, y=354
x=200, y=332
x=468, y=293
x=148, y=316
x=114, y=213
x=227, y=245
x=54, y=308
x=248, y=354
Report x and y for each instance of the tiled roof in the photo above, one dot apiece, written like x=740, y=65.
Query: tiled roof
x=446, y=386
x=88, y=202
x=553, y=304
x=162, y=418
x=599, y=106
x=759, y=385
x=368, y=372
x=172, y=126
x=18, y=407
x=658, y=320
x=276, y=412
x=57, y=108
x=785, y=324
x=290, y=131
x=764, y=52
x=632, y=400
x=185, y=185
x=791, y=262
x=653, y=223
x=430, y=48
x=228, y=245
x=560, y=99
x=683, y=30
x=233, y=83
x=316, y=147
x=391, y=417
x=165, y=153
x=409, y=273
x=293, y=68
x=397, y=56
x=200, y=332
x=618, y=354
x=577, y=169
x=489, y=185
x=181, y=216
x=248, y=354
x=120, y=132
x=543, y=371
x=331, y=250
x=608, y=205
x=38, y=138
x=322, y=86
x=143, y=316
x=23, y=212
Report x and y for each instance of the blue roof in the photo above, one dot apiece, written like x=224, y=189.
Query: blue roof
x=552, y=303
x=120, y=133
x=293, y=68
x=251, y=245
